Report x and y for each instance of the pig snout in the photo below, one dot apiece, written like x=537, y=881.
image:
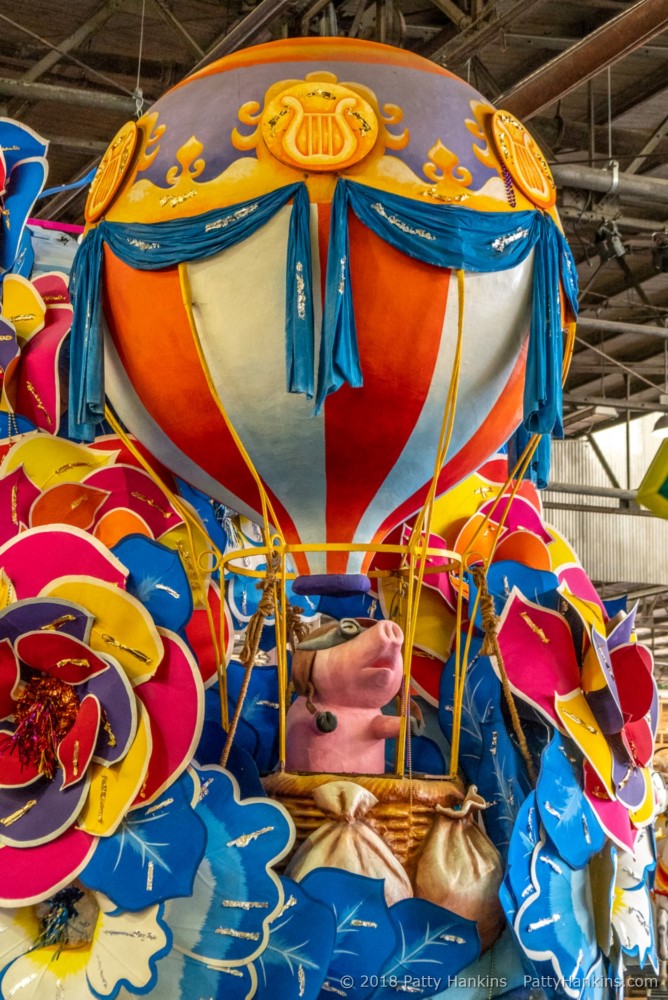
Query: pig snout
x=383, y=644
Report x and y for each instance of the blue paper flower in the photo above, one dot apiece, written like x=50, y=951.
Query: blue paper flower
x=157, y=579
x=236, y=893
x=154, y=854
x=556, y=923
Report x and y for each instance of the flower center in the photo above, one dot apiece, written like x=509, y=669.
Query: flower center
x=67, y=920
x=44, y=713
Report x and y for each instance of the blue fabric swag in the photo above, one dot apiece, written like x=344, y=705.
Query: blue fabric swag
x=442, y=235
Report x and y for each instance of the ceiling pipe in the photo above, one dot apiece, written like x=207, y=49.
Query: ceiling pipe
x=608, y=182
x=621, y=221
x=613, y=41
x=639, y=406
x=617, y=326
x=32, y=91
x=580, y=490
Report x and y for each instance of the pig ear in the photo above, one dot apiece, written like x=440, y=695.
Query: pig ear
x=302, y=671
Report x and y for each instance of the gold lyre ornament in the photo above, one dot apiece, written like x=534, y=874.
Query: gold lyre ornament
x=112, y=171
x=319, y=126
x=523, y=159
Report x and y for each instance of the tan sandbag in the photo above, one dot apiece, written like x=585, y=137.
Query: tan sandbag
x=460, y=868
x=347, y=841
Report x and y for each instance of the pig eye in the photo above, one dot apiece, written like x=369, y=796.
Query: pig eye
x=349, y=628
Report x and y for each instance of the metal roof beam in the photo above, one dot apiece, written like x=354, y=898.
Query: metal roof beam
x=80, y=35
x=448, y=51
x=67, y=95
x=613, y=41
x=246, y=29
x=617, y=326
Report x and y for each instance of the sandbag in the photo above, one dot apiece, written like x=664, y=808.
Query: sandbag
x=348, y=841
x=460, y=868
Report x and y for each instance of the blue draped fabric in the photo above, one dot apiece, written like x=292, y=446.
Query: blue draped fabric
x=165, y=244
x=458, y=238
x=445, y=236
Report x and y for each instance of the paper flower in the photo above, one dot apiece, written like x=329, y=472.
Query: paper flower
x=77, y=945
x=102, y=710
x=601, y=693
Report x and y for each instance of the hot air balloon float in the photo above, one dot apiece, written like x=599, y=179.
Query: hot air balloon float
x=322, y=282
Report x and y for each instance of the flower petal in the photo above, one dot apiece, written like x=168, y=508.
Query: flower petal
x=17, y=494
x=598, y=684
x=116, y=524
x=633, y=666
x=40, y=555
x=538, y=654
x=114, y=692
x=125, y=951
x=198, y=633
x=67, y=503
x=612, y=815
x=41, y=973
x=157, y=579
x=31, y=874
x=48, y=460
x=134, y=490
x=174, y=699
x=45, y=614
x=12, y=772
x=644, y=814
x=19, y=929
x=10, y=675
x=59, y=655
x=38, y=394
x=122, y=626
x=76, y=750
x=113, y=789
x=576, y=717
x=40, y=812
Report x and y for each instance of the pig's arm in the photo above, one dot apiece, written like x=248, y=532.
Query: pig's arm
x=385, y=727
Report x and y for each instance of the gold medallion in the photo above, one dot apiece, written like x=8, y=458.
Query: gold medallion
x=521, y=155
x=111, y=172
x=319, y=126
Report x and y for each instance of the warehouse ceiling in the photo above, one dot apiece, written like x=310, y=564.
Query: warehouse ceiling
x=590, y=77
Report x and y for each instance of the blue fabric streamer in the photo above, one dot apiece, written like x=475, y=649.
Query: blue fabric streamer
x=150, y=247
x=299, y=299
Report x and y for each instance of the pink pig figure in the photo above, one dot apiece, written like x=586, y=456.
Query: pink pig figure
x=349, y=669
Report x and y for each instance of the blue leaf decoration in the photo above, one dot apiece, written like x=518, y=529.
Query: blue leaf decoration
x=496, y=972
x=524, y=839
x=157, y=579
x=207, y=510
x=426, y=756
x=434, y=945
x=118, y=989
x=214, y=737
x=365, y=932
x=569, y=820
x=183, y=978
x=236, y=893
x=260, y=709
x=154, y=854
x=301, y=942
x=487, y=755
x=556, y=923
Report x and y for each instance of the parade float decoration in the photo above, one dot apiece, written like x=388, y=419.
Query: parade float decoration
x=358, y=290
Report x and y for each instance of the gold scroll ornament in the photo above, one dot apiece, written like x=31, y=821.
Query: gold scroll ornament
x=523, y=159
x=112, y=171
x=319, y=126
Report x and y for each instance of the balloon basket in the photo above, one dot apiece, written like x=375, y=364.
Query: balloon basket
x=402, y=816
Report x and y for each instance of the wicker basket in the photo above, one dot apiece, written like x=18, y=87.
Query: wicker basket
x=402, y=817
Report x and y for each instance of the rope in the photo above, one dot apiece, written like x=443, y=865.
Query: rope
x=490, y=647
x=138, y=93
x=268, y=606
